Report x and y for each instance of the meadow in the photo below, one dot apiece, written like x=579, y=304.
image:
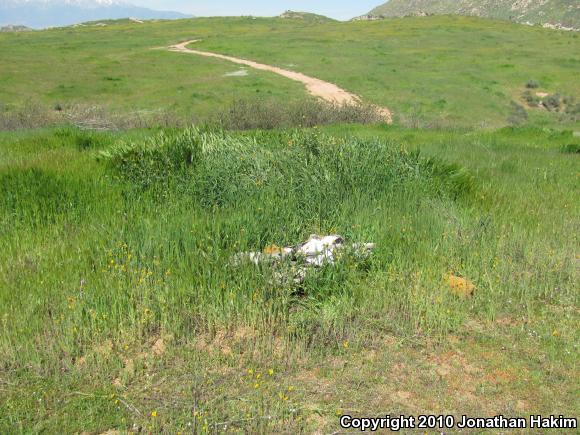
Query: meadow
x=122, y=308
x=120, y=304
x=438, y=72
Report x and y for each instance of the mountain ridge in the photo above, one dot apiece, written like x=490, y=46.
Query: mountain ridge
x=552, y=13
x=39, y=14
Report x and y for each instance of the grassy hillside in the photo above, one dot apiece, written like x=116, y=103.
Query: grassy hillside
x=442, y=71
x=563, y=12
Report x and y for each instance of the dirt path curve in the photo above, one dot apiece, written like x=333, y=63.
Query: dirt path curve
x=316, y=87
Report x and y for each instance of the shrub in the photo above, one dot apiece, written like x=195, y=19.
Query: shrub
x=518, y=115
x=532, y=84
x=552, y=102
x=573, y=111
x=568, y=100
x=30, y=115
x=241, y=114
x=531, y=99
x=267, y=114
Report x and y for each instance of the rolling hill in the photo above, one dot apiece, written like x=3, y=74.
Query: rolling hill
x=451, y=70
x=56, y=13
x=305, y=16
x=565, y=13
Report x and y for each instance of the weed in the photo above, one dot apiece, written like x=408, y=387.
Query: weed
x=572, y=148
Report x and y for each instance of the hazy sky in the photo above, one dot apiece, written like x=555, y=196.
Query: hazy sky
x=340, y=9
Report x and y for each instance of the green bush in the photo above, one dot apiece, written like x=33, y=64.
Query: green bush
x=572, y=148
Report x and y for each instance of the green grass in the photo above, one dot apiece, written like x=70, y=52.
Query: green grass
x=120, y=306
x=438, y=71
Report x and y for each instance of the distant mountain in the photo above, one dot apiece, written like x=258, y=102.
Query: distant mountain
x=56, y=13
x=553, y=13
x=11, y=28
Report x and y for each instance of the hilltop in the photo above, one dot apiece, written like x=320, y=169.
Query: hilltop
x=558, y=13
x=306, y=16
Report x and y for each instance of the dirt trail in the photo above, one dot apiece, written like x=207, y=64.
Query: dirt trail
x=316, y=87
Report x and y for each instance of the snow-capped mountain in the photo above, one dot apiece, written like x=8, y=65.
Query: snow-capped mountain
x=51, y=13
x=84, y=3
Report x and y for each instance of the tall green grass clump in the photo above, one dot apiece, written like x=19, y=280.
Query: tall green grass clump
x=316, y=175
x=266, y=161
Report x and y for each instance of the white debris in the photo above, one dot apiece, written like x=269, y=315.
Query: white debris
x=320, y=250
x=317, y=251
x=292, y=264
x=240, y=73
